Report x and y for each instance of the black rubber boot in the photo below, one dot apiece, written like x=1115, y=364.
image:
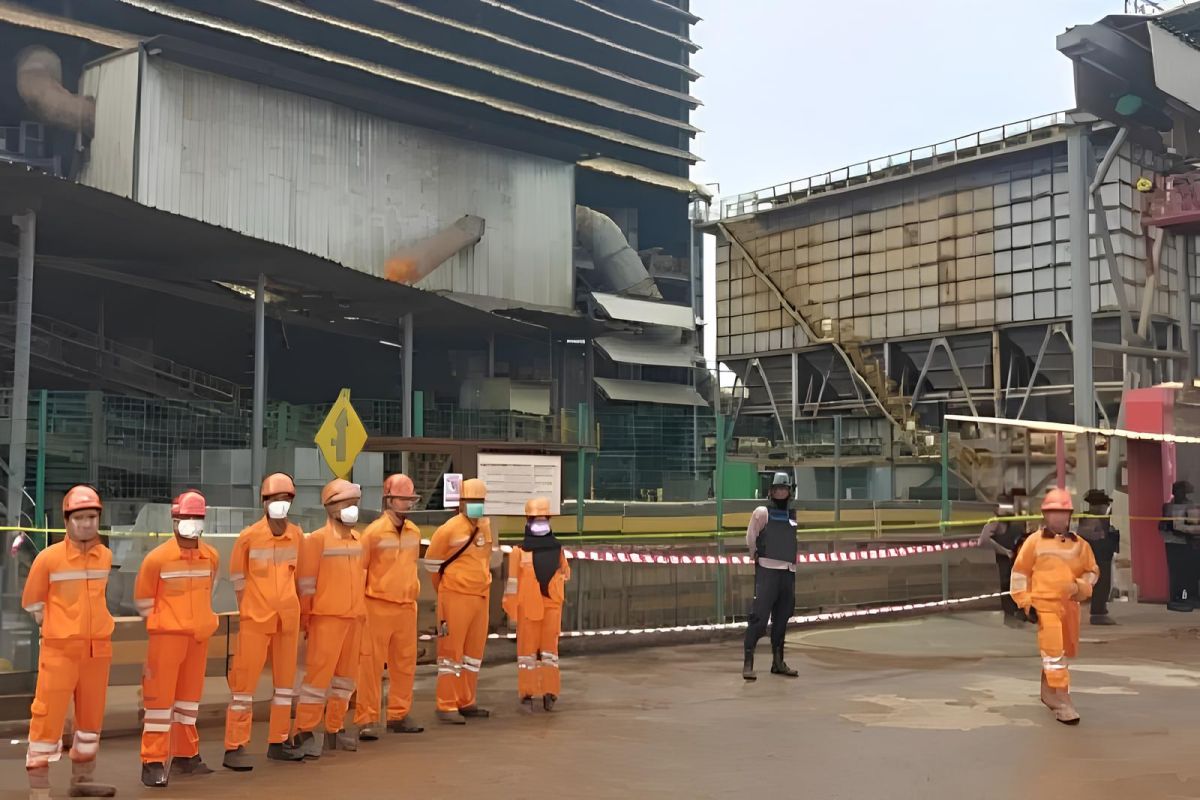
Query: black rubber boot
x=1103, y=619
x=154, y=775
x=238, y=760
x=189, y=766
x=405, y=725
x=1183, y=606
x=779, y=666
x=475, y=712
x=279, y=751
x=748, y=667
x=526, y=706
x=548, y=701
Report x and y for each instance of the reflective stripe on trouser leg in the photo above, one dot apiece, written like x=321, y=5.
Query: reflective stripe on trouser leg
x=247, y=666
x=1050, y=642
x=402, y=662
x=457, y=613
x=342, y=685
x=370, y=666
x=476, y=640
x=165, y=655
x=284, y=646
x=91, y=692
x=327, y=636
x=58, y=672
x=185, y=740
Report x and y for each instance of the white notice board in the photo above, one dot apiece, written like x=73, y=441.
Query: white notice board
x=513, y=478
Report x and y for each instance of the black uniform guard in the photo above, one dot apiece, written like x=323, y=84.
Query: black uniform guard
x=771, y=537
x=1105, y=541
x=1181, y=548
x=1002, y=536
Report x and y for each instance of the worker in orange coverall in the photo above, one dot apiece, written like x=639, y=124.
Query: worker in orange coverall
x=391, y=545
x=1055, y=571
x=533, y=598
x=174, y=593
x=461, y=555
x=331, y=581
x=262, y=569
x=65, y=594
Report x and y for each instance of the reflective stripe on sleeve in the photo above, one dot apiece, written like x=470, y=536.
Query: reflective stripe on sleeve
x=387, y=544
x=1019, y=582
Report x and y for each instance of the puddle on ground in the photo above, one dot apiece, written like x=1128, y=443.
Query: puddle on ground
x=931, y=714
x=1146, y=674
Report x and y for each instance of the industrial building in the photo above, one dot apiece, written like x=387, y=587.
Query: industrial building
x=1019, y=272
x=474, y=215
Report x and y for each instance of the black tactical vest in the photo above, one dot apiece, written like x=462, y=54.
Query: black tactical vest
x=778, y=537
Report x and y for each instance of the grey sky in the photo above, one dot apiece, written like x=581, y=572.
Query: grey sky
x=796, y=87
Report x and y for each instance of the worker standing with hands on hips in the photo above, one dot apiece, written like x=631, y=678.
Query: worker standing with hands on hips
x=461, y=556
x=1105, y=541
x=1001, y=536
x=173, y=593
x=1054, y=572
x=1181, y=534
x=391, y=546
x=262, y=569
x=332, y=581
x=533, y=598
x=771, y=538
x=64, y=592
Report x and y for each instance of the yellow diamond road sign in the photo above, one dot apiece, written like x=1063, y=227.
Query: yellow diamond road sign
x=342, y=436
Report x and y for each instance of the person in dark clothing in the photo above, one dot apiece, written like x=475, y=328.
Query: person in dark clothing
x=1002, y=535
x=1105, y=541
x=1179, y=531
x=771, y=538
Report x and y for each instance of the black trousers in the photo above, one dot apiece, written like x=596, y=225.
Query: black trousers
x=774, y=599
x=1103, y=588
x=1004, y=566
x=1181, y=572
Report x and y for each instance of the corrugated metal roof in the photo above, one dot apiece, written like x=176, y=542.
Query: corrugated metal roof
x=633, y=349
x=1184, y=22
x=329, y=56
x=667, y=394
x=495, y=69
x=647, y=312
x=598, y=39
x=28, y=18
x=688, y=15
x=683, y=40
x=406, y=8
x=638, y=173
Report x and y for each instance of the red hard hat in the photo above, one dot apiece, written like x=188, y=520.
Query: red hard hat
x=339, y=489
x=278, y=483
x=1058, y=500
x=399, y=485
x=189, y=504
x=80, y=498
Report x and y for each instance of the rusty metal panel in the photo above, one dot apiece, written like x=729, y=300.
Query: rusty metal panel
x=351, y=187
x=113, y=82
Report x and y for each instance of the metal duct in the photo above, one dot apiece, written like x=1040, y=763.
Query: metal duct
x=413, y=263
x=39, y=83
x=618, y=266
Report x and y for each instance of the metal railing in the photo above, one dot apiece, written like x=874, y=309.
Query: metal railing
x=904, y=162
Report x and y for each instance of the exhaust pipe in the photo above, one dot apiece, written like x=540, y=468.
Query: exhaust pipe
x=618, y=266
x=413, y=263
x=39, y=83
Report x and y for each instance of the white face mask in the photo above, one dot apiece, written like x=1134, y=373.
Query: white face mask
x=349, y=515
x=278, y=509
x=539, y=527
x=191, y=528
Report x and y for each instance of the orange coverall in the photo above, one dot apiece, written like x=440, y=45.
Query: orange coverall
x=65, y=594
x=263, y=571
x=462, y=607
x=331, y=581
x=539, y=622
x=393, y=584
x=1053, y=574
x=174, y=593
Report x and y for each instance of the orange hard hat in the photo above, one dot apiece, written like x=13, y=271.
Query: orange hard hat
x=537, y=507
x=338, y=489
x=399, y=485
x=189, y=504
x=278, y=483
x=473, y=489
x=1058, y=500
x=81, y=498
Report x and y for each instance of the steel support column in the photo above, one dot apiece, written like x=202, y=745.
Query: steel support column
x=1187, y=337
x=19, y=415
x=406, y=376
x=257, y=453
x=1079, y=162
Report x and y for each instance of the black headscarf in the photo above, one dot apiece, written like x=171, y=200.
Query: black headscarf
x=547, y=555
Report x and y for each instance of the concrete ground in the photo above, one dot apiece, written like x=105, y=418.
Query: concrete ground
x=932, y=707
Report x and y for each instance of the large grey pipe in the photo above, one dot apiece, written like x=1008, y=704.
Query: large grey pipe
x=39, y=83
x=619, y=267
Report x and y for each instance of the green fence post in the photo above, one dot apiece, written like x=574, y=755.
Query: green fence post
x=837, y=469
x=39, y=491
x=418, y=415
x=719, y=494
x=581, y=466
x=945, y=509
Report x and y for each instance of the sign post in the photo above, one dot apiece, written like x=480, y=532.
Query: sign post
x=341, y=436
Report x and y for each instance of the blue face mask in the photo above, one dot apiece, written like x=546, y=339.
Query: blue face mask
x=474, y=510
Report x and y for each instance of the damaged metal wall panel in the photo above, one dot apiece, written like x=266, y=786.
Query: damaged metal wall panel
x=114, y=83
x=349, y=186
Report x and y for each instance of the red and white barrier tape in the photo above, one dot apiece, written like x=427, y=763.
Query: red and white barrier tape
x=801, y=620
x=875, y=554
